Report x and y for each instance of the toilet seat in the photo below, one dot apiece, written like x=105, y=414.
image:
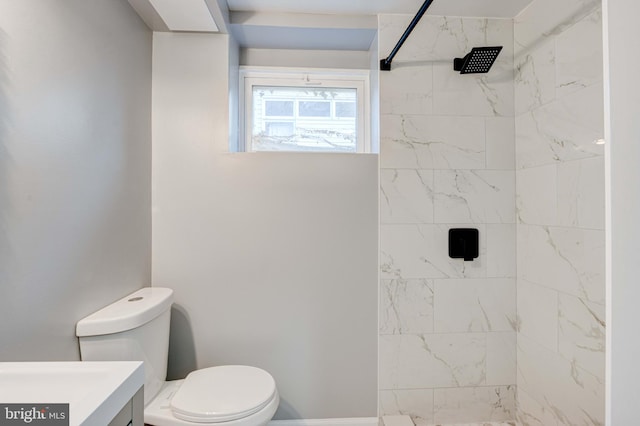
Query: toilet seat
x=222, y=394
x=159, y=411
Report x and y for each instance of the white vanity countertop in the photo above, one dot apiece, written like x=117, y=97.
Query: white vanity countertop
x=95, y=391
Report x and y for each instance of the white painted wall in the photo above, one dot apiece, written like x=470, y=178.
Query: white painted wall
x=622, y=132
x=75, y=168
x=273, y=256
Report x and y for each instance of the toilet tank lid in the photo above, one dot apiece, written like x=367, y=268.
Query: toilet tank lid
x=127, y=313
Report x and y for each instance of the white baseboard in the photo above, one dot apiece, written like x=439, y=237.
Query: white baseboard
x=356, y=421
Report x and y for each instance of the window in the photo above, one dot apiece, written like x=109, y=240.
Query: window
x=345, y=109
x=313, y=108
x=278, y=108
x=304, y=111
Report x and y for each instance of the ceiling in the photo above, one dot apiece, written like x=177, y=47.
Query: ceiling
x=473, y=8
x=320, y=24
x=304, y=24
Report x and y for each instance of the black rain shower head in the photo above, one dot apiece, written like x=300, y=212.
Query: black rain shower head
x=478, y=61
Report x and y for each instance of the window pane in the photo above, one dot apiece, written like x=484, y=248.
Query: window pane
x=279, y=129
x=345, y=109
x=314, y=109
x=278, y=108
x=311, y=126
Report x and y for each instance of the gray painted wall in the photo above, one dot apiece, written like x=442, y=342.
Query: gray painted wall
x=350, y=59
x=75, y=168
x=272, y=256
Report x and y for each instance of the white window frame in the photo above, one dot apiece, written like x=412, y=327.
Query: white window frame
x=299, y=77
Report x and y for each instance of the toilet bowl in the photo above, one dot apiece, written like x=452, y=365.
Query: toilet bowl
x=136, y=328
x=180, y=404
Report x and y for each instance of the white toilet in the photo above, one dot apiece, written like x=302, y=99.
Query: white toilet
x=136, y=328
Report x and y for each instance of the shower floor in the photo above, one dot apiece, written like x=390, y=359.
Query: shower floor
x=404, y=420
x=481, y=424
x=478, y=424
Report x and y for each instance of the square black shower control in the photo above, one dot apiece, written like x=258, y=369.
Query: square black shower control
x=463, y=243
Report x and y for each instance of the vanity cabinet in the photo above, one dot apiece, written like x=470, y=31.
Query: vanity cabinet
x=132, y=414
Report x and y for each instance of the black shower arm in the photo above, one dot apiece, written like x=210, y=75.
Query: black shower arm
x=385, y=64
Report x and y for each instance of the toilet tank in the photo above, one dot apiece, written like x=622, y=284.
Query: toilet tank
x=135, y=328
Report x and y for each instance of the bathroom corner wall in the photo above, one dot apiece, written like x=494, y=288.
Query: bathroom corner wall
x=75, y=168
x=560, y=205
x=447, y=327
x=272, y=256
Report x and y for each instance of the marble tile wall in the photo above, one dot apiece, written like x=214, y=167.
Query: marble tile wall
x=447, y=350
x=560, y=213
